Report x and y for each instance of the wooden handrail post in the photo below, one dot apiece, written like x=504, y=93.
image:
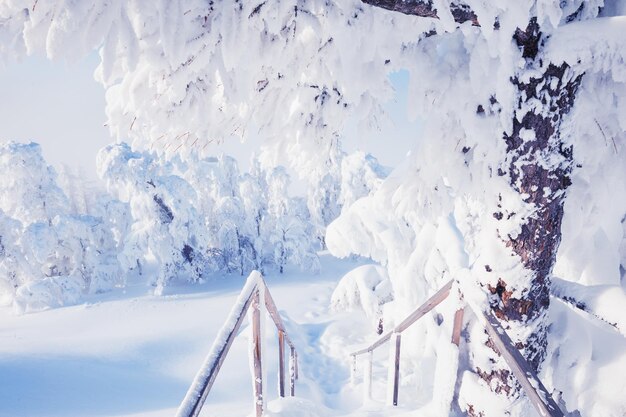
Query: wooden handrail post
x=368, y=375
x=393, y=379
x=281, y=363
x=353, y=371
x=292, y=372
x=457, y=326
x=256, y=355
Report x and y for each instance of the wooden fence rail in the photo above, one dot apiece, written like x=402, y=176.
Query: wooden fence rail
x=535, y=390
x=256, y=296
x=538, y=395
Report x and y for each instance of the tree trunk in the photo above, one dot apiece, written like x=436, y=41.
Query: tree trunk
x=538, y=163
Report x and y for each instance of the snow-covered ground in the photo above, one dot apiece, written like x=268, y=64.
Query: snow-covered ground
x=131, y=353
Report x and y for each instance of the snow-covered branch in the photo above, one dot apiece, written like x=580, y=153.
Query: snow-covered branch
x=596, y=300
x=595, y=45
x=427, y=8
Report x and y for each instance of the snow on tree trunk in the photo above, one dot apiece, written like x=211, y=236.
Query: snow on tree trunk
x=539, y=162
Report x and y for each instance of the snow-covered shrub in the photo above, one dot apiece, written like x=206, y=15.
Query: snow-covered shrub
x=366, y=287
x=361, y=174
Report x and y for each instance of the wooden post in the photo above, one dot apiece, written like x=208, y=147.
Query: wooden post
x=396, y=378
x=456, y=328
x=368, y=375
x=353, y=371
x=394, y=370
x=256, y=353
x=292, y=372
x=281, y=363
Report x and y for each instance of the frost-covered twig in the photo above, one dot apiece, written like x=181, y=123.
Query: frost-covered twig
x=604, y=135
x=591, y=300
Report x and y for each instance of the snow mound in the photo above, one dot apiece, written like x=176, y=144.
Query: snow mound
x=296, y=407
x=48, y=293
x=367, y=287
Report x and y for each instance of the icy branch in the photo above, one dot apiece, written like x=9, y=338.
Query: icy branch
x=597, y=45
x=461, y=12
x=597, y=301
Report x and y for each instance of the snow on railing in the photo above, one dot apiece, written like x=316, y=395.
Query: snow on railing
x=254, y=294
x=535, y=390
x=394, y=358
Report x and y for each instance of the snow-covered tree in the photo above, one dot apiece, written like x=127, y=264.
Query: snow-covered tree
x=195, y=216
x=226, y=236
x=75, y=252
x=324, y=188
x=227, y=217
x=287, y=225
x=28, y=188
x=51, y=256
x=82, y=194
x=164, y=219
x=255, y=209
x=525, y=72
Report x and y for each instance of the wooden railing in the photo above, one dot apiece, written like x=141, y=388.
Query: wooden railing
x=255, y=295
x=532, y=386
